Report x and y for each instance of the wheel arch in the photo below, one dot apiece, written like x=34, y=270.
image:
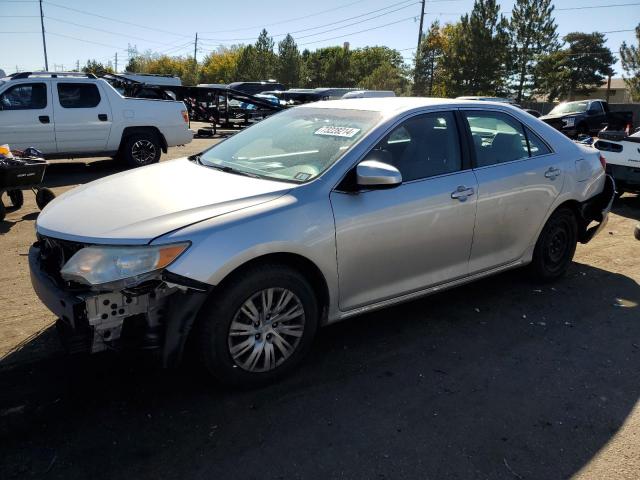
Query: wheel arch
x=130, y=131
x=295, y=261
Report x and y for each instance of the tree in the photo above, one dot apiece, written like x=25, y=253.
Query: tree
x=364, y=61
x=265, y=57
x=579, y=68
x=220, y=66
x=328, y=67
x=630, y=58
x=97, y=68
x=532, y=32
x=386, y=77
x=289, y=62
x=485, y=55
x=246, y=70
x=429, y=63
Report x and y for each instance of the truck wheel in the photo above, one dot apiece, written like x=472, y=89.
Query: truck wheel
x=3, y=211
x=43, y=197
x=141, y=149
x=258, y=327
x=17, y=198
x=556, y=246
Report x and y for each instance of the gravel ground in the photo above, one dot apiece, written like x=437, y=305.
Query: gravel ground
x=501, y=379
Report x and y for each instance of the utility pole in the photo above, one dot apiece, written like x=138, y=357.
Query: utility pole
x=116, y=69
x=195, y=60
x=195, y=50
x=415, y=75
x=44, y=42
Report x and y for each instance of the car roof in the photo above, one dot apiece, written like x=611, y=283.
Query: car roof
x=392, y=105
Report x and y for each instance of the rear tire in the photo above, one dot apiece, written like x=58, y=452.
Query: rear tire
x=242, y=342
x=556, y=246
x=3, y=211
x=141, y=149
x=17, y=198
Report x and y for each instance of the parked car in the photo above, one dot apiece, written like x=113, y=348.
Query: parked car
x=586, y=117
x=314, y=215
x=255, y=87
x=623, y=159
x=79, y=115
x=368, y=94
x=533, y=112
x=295, y=97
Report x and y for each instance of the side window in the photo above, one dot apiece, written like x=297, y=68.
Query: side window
x=422, y=147
x=497, y=138
x=25, y=96
x=596, y=107
x=78, y=95
x=536, y=145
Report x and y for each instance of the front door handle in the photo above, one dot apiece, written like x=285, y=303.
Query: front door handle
x=102, y=117
x=552, y=173
x=462, y=193
x=44, y=118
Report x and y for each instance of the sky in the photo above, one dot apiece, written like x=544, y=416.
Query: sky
x=78, y=30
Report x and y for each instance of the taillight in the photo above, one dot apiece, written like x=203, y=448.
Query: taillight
x=185, y=116
x=603, y=162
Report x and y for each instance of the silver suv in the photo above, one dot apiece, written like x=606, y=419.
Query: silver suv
x=311, y=216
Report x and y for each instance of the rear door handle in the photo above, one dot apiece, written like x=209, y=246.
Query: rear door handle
x=462, y=193
x=102, y=117
x=44, y=118
x=552, y=173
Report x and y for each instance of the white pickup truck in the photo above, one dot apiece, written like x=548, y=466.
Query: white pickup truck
x=68, y=115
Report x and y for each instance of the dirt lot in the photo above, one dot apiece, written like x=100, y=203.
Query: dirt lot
x=502, y=379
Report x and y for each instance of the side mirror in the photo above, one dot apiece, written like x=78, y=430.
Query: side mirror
x=375, y=174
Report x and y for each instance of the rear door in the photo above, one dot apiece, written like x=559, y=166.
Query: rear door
x=83, y=116
x=26, y=117
x=519, y=177
x=397, y=241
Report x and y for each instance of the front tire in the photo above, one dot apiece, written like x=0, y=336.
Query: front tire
x=258, y=327
x=17, y=198
x=141, y=149
x=556, y=245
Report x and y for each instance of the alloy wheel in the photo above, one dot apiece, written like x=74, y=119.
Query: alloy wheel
x=266, y=330
x=143, y=152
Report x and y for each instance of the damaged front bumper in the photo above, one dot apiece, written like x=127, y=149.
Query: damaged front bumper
x=156, y=315
x=597, y=209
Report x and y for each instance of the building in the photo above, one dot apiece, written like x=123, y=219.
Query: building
x=618, y=92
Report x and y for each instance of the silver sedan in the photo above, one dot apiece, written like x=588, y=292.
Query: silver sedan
x=309, y=217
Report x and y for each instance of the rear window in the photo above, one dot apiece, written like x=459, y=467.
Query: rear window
x=78, y=95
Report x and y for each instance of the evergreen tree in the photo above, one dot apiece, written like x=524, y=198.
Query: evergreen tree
x=532, y=32
x=289, y=62
x=486, y=45
x=579, y=68
x=630, y=58
x=265, y=57
x=588, y=62
x=246, y=70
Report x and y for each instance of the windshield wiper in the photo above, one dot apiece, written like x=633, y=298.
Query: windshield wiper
x=226, y=169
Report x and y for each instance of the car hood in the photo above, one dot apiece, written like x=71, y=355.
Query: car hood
x=136, y=206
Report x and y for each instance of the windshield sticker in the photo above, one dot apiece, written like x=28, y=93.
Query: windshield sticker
x=302, y=176
x=346, y=132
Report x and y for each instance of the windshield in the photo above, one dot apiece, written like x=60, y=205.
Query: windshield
x=296, y=145
x=573, y=107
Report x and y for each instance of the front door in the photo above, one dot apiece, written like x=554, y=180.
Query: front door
x=397, y=241
x=83, y=117
x=26, y=117
x=519, y=177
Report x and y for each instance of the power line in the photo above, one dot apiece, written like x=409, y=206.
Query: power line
x=413, y=2
x=362, y=31
x=116, y=20
x=596, y=6
x=87, y=41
